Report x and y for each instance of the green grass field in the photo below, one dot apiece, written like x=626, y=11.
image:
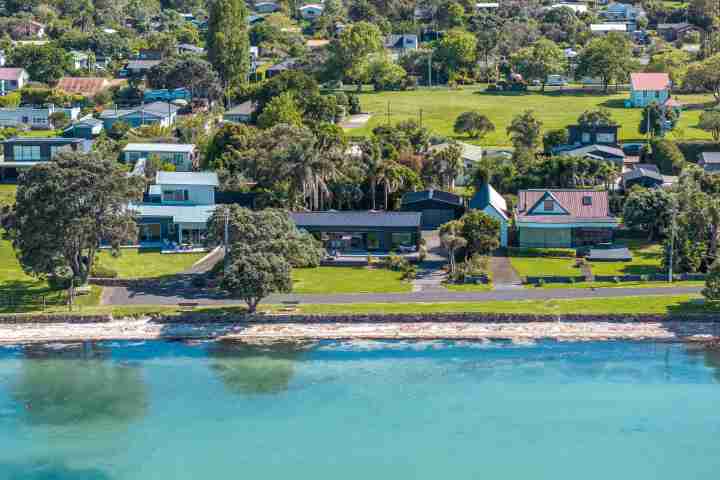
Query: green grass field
x=646, y=261
x=656, y=304
x=134, y=263
x=540, y=266
x=624, y=305
x=441, y=106
x=348, y=280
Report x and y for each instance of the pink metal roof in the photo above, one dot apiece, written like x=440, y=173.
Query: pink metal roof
x=83, y=85
x=650, y=81
x=570, y=200
x=10, y=73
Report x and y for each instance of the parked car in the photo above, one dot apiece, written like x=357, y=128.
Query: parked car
x=633, y=149
x=556, y=81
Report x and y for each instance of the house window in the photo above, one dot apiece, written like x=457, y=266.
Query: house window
x=176, y=195
x=373, y=241
x=133, y=157
x=28, y=153
x=150, y=232
x=55, y=149
x=178, y=159
x=402, y=239
x=606, y=138
x=585, y=137
x=548, y=205
x=587, y=200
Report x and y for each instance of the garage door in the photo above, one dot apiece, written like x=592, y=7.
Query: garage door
x=432, y=219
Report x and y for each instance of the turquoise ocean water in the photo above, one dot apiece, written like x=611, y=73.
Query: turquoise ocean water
x=370, y=411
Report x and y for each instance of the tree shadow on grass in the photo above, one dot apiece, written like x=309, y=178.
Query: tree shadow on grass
x=614, y=103
x=23, y=296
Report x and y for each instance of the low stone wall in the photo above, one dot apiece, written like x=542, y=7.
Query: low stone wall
x=72, y=318
x=125, y=282
x=208, y=317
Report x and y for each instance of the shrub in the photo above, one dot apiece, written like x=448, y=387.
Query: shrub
x=540, y=282
x=100, y=271
x=410, y=273
x=712, y=283
x=541, y=252
x=354, y=102
x=395, y=263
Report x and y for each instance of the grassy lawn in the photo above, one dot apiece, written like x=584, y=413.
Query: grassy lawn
x=348, y=280
x=39, y=133
x=541, y=266
x=7, y=194
x=625, y=305
x=646, y=261
x=441, y=106
x=134, y=263
x=619, y=285
x=470, y=287
x=20, y=292
x=654, y=304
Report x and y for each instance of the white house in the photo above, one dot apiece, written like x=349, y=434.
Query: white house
x=35, y=117
x=177, y=209
x=181, y=155
x=489, y=201
x=12, y=79
x=605, y=28
x=311, y=11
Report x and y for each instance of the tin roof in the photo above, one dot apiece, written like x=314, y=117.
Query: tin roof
x=11, y=73
x=187, y=178
x=576, y=208
x=178, y=213
x=356, y=219
x=650, y=81
x=437, y=195
x=159, y=147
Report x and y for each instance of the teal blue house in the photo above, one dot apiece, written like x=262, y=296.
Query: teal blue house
x=647, y=88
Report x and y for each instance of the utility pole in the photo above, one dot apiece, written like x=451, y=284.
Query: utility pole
x=430, y=69
x=672, y=242
x=226, y=258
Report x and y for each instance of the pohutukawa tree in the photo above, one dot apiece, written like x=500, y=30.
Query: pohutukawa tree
x=64, y=209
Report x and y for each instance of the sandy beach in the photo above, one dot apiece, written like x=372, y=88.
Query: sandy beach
x=148, y=329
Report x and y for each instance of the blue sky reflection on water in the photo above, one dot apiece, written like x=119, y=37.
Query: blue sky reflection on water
x=140, y=410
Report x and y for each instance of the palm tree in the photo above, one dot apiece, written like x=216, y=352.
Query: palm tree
x=451, y=240
x=391, y=177
x=373, y=163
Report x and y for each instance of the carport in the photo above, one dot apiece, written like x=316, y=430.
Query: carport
x=437, y=207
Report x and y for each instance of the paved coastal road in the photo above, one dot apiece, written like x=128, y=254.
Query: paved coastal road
x=175, y=293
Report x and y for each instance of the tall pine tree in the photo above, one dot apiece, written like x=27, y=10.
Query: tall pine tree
x=228, y=44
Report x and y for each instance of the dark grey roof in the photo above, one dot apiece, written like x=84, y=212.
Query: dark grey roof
x=191, y=48
x=640, y=173
x=437, y=195
x=357, y=219
x=710, y=157
x=589, y=149
x=287, y=64
x=399, y=41
x=64, y=140
x=158, y=108
x=648, y=166
x=245, y=108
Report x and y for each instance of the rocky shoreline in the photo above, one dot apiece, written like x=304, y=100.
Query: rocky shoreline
x=251, y=332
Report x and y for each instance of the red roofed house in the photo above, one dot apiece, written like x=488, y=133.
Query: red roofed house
x=649, y=87
x=12, y=79
x=86, y=86
x=564, y=218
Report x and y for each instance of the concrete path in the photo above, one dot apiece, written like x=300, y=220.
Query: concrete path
x=206, y=263
x=174, y=293
x=356, y=121
x=504, y=276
